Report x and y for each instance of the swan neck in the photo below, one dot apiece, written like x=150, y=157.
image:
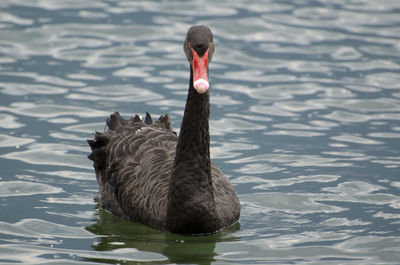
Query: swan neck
x=194, y=133
x=191, y=202
x=193, y=148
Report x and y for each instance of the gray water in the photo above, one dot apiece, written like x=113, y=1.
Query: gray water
x=305, y=121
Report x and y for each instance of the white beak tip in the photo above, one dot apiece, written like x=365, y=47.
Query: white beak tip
x=201, y=85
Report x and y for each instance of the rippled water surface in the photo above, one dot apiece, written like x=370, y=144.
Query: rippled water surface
x=305, y=121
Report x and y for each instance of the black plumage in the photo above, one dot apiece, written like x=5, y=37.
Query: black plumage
x=147, y=174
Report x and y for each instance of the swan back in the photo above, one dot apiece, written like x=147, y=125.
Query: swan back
x=133, y=160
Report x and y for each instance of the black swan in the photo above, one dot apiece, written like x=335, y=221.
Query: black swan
x=147, y=174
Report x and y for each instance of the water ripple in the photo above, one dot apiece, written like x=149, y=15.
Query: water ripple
x=51, y=110
x=51, y=154
x=23, y=188
x=8, y=141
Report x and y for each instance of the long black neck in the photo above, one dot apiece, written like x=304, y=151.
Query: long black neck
x=191, y=203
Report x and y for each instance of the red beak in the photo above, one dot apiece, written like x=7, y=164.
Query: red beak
x=200, y=72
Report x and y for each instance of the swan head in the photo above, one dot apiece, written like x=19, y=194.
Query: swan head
x=199, y=49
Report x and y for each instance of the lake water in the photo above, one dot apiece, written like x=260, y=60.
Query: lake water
x=305, y=121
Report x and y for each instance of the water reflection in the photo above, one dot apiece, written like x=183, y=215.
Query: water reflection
x=116, y=233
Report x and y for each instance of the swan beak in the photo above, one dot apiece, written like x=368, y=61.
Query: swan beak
x=200, y=72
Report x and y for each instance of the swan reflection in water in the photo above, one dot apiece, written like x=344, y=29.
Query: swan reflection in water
x=116, y=233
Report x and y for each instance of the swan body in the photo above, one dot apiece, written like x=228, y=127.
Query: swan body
x=150, y=175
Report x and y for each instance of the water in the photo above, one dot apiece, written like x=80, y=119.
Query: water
x=305, y=121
